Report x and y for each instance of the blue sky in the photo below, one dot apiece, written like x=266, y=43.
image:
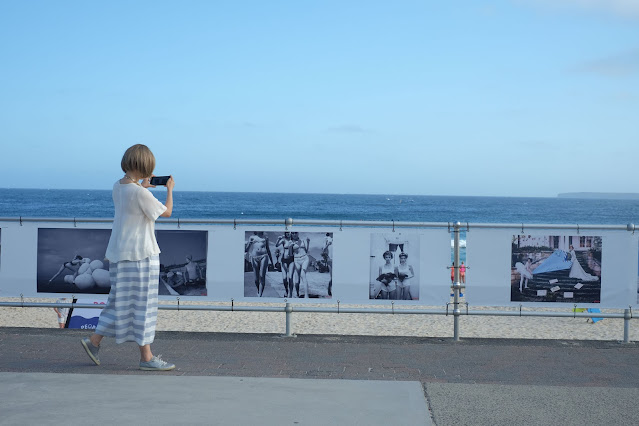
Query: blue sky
x=504, y=98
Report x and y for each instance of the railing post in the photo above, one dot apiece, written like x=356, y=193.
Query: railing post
x=456, y=284
x=626, y=325
x=289, y=318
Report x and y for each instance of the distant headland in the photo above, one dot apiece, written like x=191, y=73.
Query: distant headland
x=601, y=195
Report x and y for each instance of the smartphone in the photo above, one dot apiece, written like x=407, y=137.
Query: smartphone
x=159, y=180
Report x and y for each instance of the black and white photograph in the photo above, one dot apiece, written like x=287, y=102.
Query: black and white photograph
x=288, y=264
x=394, y=266
x=556, y=268
x=182, y=262
x=72, y=261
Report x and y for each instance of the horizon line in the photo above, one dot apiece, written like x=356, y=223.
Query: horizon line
x=342, y=193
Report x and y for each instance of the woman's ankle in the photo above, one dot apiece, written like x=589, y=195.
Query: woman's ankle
x=146, y=354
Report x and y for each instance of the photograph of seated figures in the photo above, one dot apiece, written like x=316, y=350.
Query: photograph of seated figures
x=394, y=266
x=555, y=268
x=182, y=262
x=288, y=264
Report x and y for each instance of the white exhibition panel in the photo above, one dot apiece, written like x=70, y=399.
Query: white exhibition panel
x=19, y=263
x=352, y=263
x=489, y=259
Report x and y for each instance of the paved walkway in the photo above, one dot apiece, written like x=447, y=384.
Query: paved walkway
x=240, y=379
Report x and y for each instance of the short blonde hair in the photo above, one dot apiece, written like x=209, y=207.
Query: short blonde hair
x=140, y=159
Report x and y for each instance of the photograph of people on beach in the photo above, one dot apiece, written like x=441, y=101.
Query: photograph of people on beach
x=182, y=262
x=288, y=264
x=72, y=260
x=556, y=268
x=394, y=266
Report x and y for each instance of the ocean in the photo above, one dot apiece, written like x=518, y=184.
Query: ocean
x=409, y=208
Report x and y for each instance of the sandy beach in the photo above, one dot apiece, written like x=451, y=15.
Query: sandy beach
x=474, y=326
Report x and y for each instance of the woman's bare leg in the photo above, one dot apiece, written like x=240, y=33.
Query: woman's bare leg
x=62, y=268
x=297, y=270
x=291, y=280
x=303, y=279
x=284, y=277
x=263, y=269
x=95, y=339
x=145, y=353
x=256, y=270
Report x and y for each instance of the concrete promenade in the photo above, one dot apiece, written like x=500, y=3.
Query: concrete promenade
x=245, y=379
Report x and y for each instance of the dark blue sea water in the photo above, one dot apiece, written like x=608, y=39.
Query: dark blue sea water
x=412, y=208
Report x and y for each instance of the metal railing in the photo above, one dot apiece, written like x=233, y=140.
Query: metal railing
x=288, y=309
x=337, y=223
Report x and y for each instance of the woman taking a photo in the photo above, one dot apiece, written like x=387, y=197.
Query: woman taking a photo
x=130, y=313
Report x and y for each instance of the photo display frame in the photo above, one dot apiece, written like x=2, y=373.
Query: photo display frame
x=551, y=267
x=218, y=263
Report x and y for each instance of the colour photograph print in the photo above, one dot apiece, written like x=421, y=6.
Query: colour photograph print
x=555, y=268
x=288, y=264
x=72, y=260
x=182, y=262
x=394, y=266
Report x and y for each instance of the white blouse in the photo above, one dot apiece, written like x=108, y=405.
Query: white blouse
x=133, y=234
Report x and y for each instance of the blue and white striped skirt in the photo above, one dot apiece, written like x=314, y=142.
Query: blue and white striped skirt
x=131, y=311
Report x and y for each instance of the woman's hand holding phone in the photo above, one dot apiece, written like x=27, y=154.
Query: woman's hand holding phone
x=170, y=183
